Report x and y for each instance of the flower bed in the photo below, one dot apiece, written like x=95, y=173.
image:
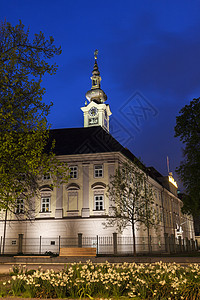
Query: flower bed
x=139, y=281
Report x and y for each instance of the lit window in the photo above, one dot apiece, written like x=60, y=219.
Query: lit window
x=20, y=206
x=98, y=200
x=98, y=171
x=45, y=204
x=74, y=172
x=46, y=176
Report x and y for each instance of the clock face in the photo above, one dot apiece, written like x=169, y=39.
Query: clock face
x=93, y=111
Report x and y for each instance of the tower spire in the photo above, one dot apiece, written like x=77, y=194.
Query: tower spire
x=96, y=94
x=95, y=54
x=96, y=112
x=95, y=71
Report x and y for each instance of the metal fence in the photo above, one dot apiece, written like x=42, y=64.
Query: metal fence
x=104, y=244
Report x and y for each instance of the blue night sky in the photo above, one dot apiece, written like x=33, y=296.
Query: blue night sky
x=149, y=58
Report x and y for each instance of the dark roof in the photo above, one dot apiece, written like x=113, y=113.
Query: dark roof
x=154, y=174
x=86, y=140
x=92, y=140
x=83, y=140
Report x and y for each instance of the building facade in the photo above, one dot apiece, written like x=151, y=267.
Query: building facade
x=82, y=205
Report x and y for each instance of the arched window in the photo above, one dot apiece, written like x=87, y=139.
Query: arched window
x=45, y=192
x=99, y=197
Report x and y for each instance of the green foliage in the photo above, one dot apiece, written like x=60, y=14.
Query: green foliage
x=129, y=280
x=188, y=129
x=24, y=131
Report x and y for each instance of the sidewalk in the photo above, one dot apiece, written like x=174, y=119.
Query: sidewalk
x=58, y=263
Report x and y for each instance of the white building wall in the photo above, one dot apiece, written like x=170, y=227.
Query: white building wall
x=60, y=221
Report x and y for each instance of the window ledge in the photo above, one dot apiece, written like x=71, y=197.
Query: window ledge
x=99, y=212
x=72, y=213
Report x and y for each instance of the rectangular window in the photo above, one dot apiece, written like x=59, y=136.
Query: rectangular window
x=20, y=206
x=98, y=199
x=73, y=172
x=98, y=171
x=45, y=204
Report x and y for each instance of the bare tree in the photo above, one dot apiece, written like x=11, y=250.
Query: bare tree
x=132, y=198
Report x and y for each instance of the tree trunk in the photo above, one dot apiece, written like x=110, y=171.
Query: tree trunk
x=133, y=233
x=149, y=241
x=4, y=232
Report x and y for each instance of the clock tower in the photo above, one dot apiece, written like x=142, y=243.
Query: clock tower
x=96, y=112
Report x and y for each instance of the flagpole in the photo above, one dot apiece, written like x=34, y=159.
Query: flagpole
x=168, y=164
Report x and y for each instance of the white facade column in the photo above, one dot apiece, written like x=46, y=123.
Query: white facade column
x=59, y=202
x=111, y=172
x=85, y=209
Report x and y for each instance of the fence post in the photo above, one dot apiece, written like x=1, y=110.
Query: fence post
x=187, y=244
x=20, y=235
x=196, y=245
x=80, y=235
x=192, y=245
x=59, y=244
x=167, y=243
x=180, y=244
x=173, y=246
x=150, y=244
x=40, y=249
x=184, y=245
x=97, y=244
x=114, y=242
x=1, y=245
